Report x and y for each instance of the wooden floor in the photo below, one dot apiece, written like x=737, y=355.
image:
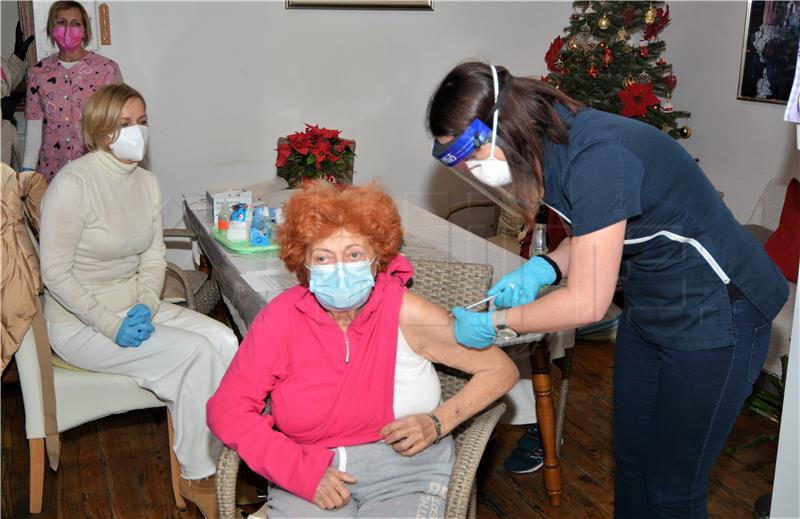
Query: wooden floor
x=118, y=467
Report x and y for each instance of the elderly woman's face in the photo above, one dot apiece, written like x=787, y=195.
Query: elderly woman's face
x=342, y=246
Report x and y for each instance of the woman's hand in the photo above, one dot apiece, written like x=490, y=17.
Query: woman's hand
x=331, y=492
x=473, y=329
x=522, y=285
x=410, y=435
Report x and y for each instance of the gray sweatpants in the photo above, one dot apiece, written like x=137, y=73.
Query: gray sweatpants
x=389, y=485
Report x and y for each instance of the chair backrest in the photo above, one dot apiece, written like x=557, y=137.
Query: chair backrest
x=451, y=284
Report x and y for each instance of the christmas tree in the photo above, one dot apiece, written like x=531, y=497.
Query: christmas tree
x=610, y=58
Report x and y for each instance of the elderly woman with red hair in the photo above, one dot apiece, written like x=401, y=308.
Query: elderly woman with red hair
x=356, y=425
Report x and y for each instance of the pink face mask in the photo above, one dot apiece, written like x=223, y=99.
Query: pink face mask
x=68, y=38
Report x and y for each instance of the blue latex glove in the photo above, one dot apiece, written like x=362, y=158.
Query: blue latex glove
x=141, y=311
x=522, y=285
x=135, y=328
x=473, y=329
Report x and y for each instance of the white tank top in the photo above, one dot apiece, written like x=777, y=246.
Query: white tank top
x=416, y=384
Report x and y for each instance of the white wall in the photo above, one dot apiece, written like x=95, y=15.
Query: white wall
x=224, y=80
x=741, y=144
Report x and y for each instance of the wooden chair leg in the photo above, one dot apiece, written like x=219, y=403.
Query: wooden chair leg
x=175, y=468
x=545, y=412
x=36, y=447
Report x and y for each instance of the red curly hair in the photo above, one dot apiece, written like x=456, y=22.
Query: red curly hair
x=320, y=210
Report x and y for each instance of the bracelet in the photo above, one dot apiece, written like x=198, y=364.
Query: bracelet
x=555, y=267
x=438, y=426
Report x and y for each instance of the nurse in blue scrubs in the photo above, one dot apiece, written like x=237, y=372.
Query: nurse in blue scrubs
x=700, y=293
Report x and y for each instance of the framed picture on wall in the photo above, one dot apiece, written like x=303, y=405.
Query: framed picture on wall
x=360, y=4
x=769, y=54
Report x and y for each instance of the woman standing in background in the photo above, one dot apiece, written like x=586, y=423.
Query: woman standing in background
x=58, y=87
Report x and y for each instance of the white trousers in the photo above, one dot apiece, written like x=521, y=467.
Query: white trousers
x=181, y=363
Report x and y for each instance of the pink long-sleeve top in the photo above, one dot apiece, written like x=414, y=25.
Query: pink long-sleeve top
x=329, y=388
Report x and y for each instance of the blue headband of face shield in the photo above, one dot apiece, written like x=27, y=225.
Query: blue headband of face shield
x=476, y=135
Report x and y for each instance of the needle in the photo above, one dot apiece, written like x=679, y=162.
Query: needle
x=485, y=300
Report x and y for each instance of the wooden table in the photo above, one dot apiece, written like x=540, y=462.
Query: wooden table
x=427, y=237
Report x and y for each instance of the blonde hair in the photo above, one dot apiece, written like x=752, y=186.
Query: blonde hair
x=100, y=117
x=56, y=7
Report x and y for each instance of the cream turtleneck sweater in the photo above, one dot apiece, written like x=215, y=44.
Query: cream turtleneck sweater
x=101, y=242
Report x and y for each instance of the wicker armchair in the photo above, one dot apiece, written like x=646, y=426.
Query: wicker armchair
x=447, y=284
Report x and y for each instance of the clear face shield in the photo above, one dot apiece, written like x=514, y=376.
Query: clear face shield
x=491, y=177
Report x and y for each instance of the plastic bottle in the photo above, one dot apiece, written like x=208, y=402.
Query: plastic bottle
x=223, y=218
x=539, y=237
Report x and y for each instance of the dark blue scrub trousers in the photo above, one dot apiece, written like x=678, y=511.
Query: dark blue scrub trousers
x=673, y=411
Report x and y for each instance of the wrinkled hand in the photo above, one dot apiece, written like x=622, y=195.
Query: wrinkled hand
x=21, y=45
x=135, y=328
x=410, y=435
x=332, y=492
x=522, y=285
x=473, y=329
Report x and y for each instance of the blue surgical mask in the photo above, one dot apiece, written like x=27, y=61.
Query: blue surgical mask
x=341, y=286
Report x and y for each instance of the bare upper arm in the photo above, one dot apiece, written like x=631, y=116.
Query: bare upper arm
x=428, y=328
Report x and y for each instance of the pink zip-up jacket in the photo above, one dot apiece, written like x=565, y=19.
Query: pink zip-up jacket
x=328, y=388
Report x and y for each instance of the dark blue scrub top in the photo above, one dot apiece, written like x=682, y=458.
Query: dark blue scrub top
x=683, y=246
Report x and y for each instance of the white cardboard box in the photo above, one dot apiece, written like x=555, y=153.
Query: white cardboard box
x=228, y=197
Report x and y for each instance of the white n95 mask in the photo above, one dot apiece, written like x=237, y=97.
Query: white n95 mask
x=492, y=171
x=131, y=143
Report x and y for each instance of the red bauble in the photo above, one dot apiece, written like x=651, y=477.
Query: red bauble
x=670, y=82
x=627, y=15
x=592, y=71
x=644, y=49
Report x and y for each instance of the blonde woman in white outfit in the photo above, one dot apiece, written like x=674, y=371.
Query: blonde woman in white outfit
x=102, y=256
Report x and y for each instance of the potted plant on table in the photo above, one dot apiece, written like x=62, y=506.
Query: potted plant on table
x=315, y=154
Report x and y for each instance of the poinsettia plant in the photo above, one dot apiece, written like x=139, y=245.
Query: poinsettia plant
x=316, y=153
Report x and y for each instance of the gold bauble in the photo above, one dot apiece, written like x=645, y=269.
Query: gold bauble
x=686, y=131
x=628, y=81
x=650, y=15
x=572, y=43
x=603, y=23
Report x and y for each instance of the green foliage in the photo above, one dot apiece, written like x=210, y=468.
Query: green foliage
x=587, y=47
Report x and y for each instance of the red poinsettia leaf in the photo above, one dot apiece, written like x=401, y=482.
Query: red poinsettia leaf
x=330, y=134
x=552, y=55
